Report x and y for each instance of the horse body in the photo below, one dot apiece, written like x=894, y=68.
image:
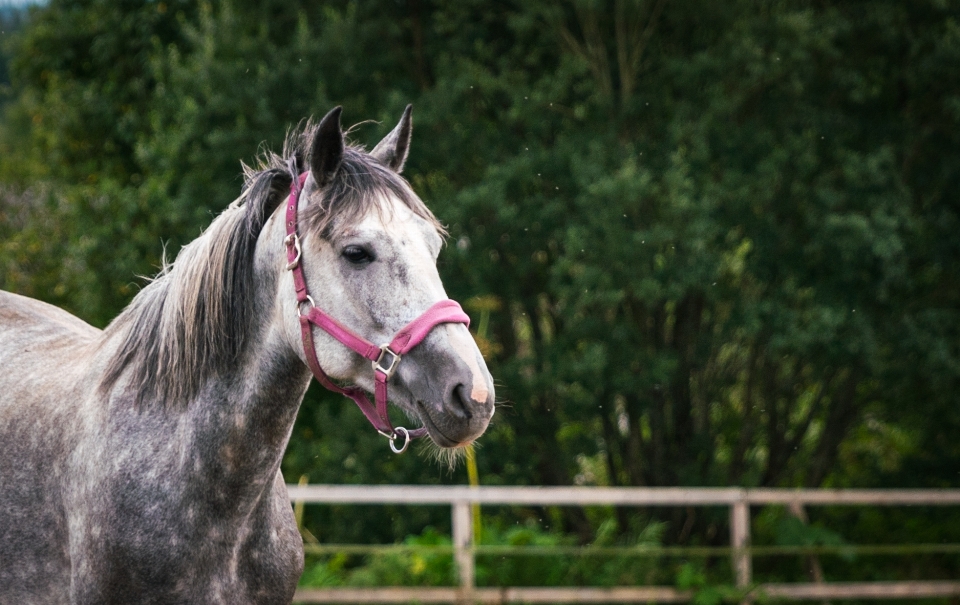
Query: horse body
x=106, y=499
x=140, y=464
x=39, y=384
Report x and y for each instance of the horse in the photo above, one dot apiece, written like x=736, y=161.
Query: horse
x=140, y=464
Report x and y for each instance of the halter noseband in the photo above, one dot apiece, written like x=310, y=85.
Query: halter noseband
x=384, y=358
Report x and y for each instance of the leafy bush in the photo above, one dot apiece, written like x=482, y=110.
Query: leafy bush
x=541, y=558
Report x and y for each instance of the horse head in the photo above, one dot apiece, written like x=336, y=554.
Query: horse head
x=366, y=249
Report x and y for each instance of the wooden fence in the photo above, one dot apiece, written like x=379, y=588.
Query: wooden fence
x=739, y=501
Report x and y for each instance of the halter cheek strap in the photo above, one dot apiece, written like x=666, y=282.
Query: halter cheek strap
x=384, y=358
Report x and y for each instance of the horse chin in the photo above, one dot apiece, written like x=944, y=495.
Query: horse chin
x=449, y=457
x=450, y=436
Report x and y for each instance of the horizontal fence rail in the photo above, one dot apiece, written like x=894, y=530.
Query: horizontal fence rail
x=617, y=496
x=739, y=501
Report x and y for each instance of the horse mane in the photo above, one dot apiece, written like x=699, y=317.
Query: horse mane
x=190, y=323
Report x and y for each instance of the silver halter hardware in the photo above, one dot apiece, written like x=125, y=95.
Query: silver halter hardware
x=393, y=439
x=300, y=304
x=293, y=240
x=394, y=361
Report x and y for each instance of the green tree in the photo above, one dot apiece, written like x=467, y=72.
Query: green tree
x=718, y=239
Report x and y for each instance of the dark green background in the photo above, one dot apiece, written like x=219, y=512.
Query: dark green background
x=718, y=241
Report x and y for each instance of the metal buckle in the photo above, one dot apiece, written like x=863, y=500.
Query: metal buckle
x=292, y=240
x=406, y=440
x=385, y=349
x=309, y=299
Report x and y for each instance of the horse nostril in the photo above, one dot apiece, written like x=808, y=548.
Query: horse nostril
x=461, y=401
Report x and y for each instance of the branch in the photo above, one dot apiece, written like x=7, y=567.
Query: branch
x=841, y=417
x=749, y=419
x=815, y=407
x=628, y=60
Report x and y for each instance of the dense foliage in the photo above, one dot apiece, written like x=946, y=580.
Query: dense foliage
x=713, y=243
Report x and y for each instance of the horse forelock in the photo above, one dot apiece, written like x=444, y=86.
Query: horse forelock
x=191, y=322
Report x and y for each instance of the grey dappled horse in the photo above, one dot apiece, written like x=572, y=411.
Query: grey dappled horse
x=140, y=464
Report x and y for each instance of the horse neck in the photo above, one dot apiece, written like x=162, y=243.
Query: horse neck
x=242, y=419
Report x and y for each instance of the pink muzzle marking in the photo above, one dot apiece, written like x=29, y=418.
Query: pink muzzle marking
x=384, y=358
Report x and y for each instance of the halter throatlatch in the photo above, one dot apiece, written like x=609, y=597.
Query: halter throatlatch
x=384, y=358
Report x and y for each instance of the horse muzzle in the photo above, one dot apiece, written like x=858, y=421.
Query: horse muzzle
x=458, y=421
x=452, y=390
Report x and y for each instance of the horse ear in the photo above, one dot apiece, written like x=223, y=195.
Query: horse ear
x=326, y=150
x=392, y=150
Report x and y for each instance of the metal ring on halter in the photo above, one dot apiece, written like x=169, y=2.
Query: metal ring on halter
x=309, y=299
x=406, y=440
x=292, y=240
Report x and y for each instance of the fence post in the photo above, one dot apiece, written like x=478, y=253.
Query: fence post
x=463, y=549
x=740, y=541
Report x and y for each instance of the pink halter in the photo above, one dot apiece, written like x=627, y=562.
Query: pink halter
x=385, y=358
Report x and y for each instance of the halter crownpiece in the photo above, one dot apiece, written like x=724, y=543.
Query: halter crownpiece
x=384, y=358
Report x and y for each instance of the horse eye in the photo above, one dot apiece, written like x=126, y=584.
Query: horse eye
x=357, y=255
